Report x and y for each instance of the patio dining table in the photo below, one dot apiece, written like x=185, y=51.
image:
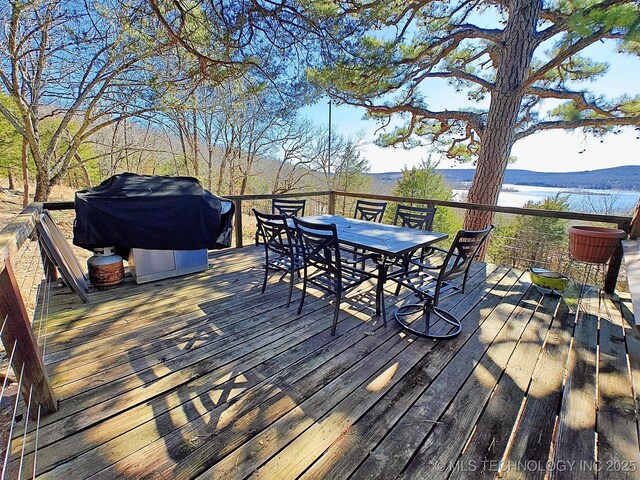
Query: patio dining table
x=386, y=242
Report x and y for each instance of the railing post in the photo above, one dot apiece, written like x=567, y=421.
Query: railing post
x=238, y=202
x=17, y=331
x=332, y=202
x=614, y=264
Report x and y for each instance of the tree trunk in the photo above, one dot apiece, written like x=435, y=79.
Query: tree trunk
x=498, y=134
x=196, y=146
x=223, y=166
x=183, y=148
x=210, y=167
x=12, y=183
x=42, y=188
x=243, y=184
x=85, y=171
x=25, y=173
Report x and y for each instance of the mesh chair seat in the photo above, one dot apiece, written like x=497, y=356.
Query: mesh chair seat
x=285, y=262
x=351, y=277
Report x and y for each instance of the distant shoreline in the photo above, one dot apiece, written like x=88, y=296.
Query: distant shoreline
x=626, y=178
x=611, y=201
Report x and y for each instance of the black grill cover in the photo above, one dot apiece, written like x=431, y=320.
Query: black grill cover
x=153, y=212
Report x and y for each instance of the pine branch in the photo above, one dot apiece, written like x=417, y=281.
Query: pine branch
x=610, y=121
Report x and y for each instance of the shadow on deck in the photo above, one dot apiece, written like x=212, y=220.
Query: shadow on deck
x=205, y=376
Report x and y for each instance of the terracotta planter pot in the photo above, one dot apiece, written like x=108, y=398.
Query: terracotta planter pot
x=593, y=244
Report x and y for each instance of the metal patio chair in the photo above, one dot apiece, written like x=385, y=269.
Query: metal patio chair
x=433, y=283
x=290, y=208
x=420, y=218
x=280, y=249
x=286, y=207
x=414, y=217
x=321, y=251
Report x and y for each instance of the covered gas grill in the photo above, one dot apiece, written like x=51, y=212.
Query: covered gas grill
x=161, y=224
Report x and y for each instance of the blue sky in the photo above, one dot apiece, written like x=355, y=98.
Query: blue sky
x=557, y=151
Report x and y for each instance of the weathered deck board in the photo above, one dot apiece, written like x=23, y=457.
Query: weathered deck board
x=492, y=430
x=330, y=361
x=617, y=426
x=632, y=341
x=531, y=440
x=204, y=376
x=361, y=437
x=460, y=417
x=576, y=437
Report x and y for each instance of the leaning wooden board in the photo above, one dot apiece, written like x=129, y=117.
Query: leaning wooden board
x=631, y=250
x=59, y=252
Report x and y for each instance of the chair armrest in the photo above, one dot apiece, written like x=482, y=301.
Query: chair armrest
x=426, y=266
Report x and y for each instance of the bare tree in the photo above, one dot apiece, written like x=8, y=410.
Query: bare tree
x=61, y=61
x=297, y=156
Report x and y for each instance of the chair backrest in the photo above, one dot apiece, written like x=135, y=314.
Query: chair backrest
x=278, y=235
x=370, y=211
x=319, y=244
x=420, y=218
x=288, y=208
x=463, y=250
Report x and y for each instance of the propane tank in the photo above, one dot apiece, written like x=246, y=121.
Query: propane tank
x=105, y=267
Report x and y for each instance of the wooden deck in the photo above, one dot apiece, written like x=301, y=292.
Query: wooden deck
x=205, y=377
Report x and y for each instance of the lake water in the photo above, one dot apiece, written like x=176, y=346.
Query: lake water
x=584, y=200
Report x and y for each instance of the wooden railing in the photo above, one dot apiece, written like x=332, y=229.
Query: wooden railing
x=17, y=335
x=238, y=199
x=628, y=224
x=23, y=353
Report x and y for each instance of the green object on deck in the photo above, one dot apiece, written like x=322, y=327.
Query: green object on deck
x=554, y=281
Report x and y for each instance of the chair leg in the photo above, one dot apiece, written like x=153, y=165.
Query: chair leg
x=266, y=276
x=304, y=291
x=336, y=312
x=427, y=317
x=291, y=279
x=383, y=307
x=405, y=267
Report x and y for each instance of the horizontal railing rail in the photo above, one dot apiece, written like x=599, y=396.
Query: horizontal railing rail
x=18, y=230
x=239, y=199
x=587, y=217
